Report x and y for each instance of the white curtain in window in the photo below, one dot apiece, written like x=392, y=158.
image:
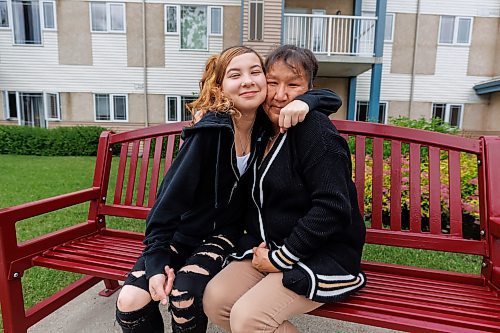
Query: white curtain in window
x=447, y=27
x=216, y=21
x=98, y=13
x=117, y=18
x=32, y=112
x=26, y=17
x=48, y=15
x=463, y=30
x=194, y=28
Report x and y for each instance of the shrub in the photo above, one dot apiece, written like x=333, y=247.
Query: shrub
x=60, y=141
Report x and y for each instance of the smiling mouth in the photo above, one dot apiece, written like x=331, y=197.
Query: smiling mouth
x=248, y=93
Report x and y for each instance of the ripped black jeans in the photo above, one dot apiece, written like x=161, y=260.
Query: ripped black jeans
x=186, y=299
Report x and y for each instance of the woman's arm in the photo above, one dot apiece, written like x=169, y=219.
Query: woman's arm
x=176, y=196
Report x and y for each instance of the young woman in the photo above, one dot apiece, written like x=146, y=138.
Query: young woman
x=304, y=231
x=197, y=215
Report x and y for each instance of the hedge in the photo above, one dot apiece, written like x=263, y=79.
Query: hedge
x=59, y=141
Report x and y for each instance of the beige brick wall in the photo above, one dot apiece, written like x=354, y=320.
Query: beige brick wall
x=483, y=54
x=232, y=26
x=73, y=29
x=341, y=87
x=77, y=107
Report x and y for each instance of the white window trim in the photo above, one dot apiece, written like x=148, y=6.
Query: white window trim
x=263, y=20
x=108, y=18
x=11, y=26
x=209, y=21
x=178, y=99
x=386, y=116
x=447, y=112
x=111, y=109
x=46, y=103
x=455, y=30
x=9, y=18
x=43, y=16
x=392, y=29
x=177, y=17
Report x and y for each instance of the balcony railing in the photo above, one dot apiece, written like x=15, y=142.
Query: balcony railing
x=331, y=34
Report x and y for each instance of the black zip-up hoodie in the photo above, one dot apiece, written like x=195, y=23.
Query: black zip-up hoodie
x=200, y=194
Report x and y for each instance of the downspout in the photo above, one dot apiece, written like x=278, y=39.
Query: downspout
x=145, y=65
x=413, y=67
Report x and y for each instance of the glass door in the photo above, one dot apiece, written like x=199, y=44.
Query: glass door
x=32, y=111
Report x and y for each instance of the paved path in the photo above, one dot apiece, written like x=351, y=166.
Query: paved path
x=90, y=313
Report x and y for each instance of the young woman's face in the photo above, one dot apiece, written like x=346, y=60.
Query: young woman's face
x=283, y=85
x=245, y=83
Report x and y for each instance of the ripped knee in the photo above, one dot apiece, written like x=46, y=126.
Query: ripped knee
x=181, y=320
x=194, y=269
x=138, y=274
x=225, y=240
x=212, y=255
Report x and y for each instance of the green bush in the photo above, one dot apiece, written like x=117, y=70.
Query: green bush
x=60, y=141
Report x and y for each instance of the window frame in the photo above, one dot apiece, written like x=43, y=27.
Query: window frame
x=46, y=103
x=54, y=12
x=111, y=108
x=456, y=22
x=393, y=15
x=256, y=2
x=178, y=105
x=385, y=104
x=177, y=19
x=209, y=21
x=6, y=105
x=108, y=18
x=12, y=28
x=9, y=18
x=447, y=112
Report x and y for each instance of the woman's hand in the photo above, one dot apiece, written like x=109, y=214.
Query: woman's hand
x=292, y=114
x=260, y=260
x=160, y=285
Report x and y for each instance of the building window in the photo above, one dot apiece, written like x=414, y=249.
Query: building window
x=110, y=107
x=256, y=19
x=389, y=27
x=455, y=30
x=171, y=19
x=49, y=17
x=216, y=21
x=176, y=108
x=448, y=113
x=10, y=105
x=107, y=17
x=362, y=111
x=26, y=22
x=52, y=106
x=4, y=14
x=194, y=23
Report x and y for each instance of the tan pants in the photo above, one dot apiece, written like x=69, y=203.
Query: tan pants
x=242, y=299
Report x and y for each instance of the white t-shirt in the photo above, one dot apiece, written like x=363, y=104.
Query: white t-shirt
x=242, y=163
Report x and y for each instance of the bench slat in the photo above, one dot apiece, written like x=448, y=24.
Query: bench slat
x=132, y=171
x=169, y=154
x=153, y=185
x=455, y=195
x=434, y=191
x=143, y=173
x=396, y=185
x=377, y=182
x=360, y=172
x=121, y=173
x=415, y=188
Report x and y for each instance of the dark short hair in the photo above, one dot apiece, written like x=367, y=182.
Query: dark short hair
x=294, y=57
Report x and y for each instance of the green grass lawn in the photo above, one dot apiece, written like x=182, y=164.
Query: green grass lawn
x=28, y=178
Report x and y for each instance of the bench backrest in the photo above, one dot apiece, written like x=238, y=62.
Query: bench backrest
x=416, y=189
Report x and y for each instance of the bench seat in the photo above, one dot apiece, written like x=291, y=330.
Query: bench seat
x=420, y=300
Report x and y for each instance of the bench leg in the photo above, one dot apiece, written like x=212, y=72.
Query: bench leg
x=111, y=287
x=13, y=313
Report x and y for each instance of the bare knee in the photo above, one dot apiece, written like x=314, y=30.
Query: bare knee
x=132, y=298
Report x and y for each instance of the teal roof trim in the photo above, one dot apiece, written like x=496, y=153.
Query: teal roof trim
x=488, y=87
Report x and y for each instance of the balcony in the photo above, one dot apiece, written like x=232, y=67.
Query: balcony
x=343, y=45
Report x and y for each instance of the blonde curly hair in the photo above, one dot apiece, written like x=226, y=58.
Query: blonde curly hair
x=211, y=98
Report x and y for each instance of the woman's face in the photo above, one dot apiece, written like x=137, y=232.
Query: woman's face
x=245, y=83
x=283, y=85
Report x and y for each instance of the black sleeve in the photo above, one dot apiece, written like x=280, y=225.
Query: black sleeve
x=175, y=197
x=324, y=100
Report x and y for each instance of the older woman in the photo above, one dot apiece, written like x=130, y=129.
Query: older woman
x=304, y=234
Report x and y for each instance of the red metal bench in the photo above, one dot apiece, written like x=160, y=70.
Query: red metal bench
x=396, y=296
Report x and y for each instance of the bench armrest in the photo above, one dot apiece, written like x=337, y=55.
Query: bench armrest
x=11, y=215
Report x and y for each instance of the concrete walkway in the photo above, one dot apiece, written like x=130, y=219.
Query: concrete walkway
x=91, y=313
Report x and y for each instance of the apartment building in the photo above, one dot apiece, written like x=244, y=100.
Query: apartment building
x=117, y=64
x=133, y=63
